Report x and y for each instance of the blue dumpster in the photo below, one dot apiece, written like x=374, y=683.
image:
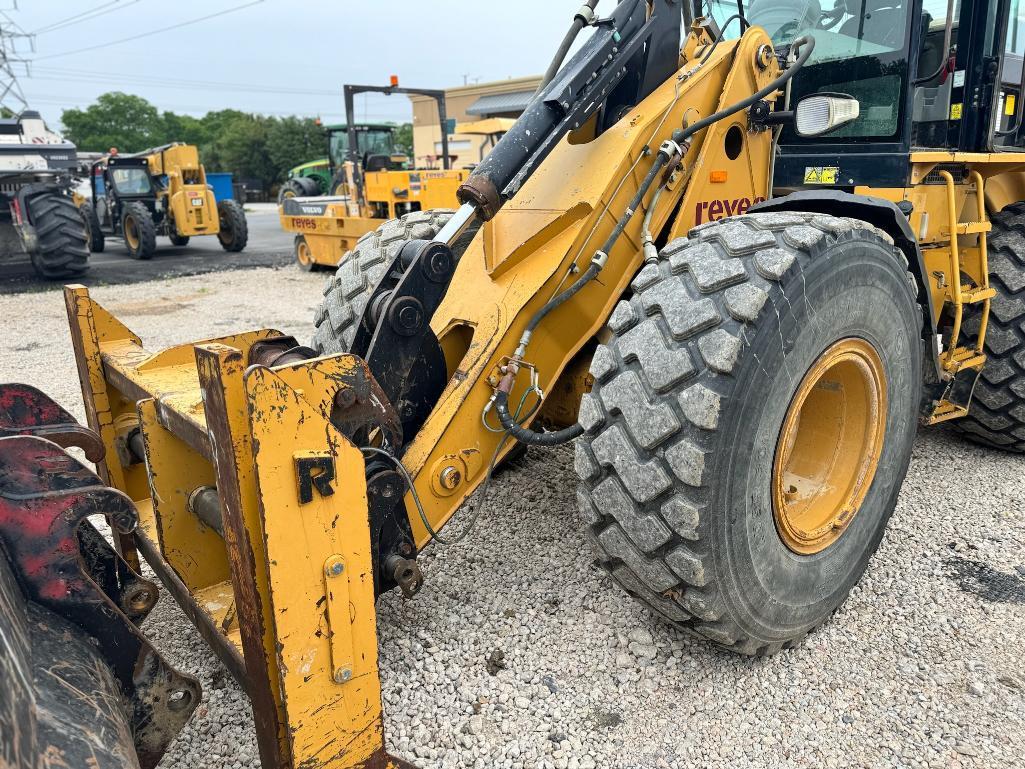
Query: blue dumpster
x=221, y=185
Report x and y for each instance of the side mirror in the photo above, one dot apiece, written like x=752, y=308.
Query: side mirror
x=821, y=113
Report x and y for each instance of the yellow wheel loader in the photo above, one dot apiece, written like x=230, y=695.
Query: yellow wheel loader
x=159, y=192
x=736, y=258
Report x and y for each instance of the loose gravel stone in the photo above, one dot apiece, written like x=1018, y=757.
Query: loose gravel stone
x=885, y=683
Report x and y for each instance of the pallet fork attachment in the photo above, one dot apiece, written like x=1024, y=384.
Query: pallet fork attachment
x=253, y=512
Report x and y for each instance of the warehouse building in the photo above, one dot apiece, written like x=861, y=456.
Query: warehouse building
x=491, y=102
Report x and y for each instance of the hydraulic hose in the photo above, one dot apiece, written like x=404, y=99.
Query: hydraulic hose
x=581, y=20
x=678, y=145
x=805, y=45
x=501, y=402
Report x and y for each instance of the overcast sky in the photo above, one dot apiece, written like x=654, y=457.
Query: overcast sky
x=279, y=57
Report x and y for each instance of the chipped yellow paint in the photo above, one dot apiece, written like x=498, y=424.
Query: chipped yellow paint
x=324, y=622
x=203, y=424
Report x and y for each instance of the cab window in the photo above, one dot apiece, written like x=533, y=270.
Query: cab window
x=132, y=181
x=861, y=50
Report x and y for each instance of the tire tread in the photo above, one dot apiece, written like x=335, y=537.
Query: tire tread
x=644, y=489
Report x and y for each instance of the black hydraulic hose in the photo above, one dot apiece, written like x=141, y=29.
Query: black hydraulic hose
x=579, y=22
x=681, y=136
x=722, y=34
x=805, y=45
x=744, y=25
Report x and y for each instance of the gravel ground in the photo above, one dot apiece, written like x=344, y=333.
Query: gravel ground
x=921, y=667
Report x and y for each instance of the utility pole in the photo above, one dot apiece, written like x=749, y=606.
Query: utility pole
x=11, y=35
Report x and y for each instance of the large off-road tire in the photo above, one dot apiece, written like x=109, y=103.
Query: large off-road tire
x=360, y=271
x=178, y=240
x=139, y=231
x=94, y=232
x=63, y=248
x=997, y=414
x=685, y=450
x=234, y=232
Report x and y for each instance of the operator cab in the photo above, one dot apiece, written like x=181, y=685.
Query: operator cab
x=928, y=75
x=374, y=143
x=120, y=178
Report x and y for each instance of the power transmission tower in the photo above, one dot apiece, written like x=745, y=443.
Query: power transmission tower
x=13, y=37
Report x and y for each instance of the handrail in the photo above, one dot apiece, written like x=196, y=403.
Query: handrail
x=955, y=268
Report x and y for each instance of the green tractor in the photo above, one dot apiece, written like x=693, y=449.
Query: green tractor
x=318, y=176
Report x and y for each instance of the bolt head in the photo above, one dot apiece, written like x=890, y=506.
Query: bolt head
x=342, y=675
x=409, y=317
x=336, y=568
x=450, y=477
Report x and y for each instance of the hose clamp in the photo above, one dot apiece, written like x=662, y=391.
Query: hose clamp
x=670, y=148
x=599, y=259
x=586, y=15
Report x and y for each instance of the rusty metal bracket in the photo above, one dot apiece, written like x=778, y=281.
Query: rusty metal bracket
x=45, y=497
x=24, y=410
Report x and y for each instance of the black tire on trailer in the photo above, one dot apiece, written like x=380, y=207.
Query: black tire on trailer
x=94, y=232
x=299, y=187
x=744, y=352
x=288, y=190
x=234, y=232
x=63, y=248
x=309, y=187
x=139, y=231
x=359, y=273
x=997, y=414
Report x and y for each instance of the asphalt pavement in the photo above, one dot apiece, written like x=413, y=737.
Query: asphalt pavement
x=268, y=246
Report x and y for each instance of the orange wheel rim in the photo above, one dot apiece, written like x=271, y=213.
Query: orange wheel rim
x=302, y=253
x=829, y=445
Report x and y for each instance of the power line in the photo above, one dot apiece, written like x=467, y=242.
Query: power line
x=78, y=18
x=190, y=22
x=11, y=95
x=99, y=78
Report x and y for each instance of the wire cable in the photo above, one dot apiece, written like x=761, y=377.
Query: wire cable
x=152, y=32
x=70, y=21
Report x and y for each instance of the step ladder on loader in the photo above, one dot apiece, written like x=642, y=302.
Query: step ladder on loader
x=962, y=363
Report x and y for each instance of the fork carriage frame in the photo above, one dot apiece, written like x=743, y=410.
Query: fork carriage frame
x=285, y=595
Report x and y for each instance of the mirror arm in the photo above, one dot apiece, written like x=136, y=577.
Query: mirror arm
x=762, y=115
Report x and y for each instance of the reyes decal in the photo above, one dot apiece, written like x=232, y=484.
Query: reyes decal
x=713, y=210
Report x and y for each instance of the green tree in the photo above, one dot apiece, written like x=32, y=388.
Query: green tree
x=404, y=138
x=240, y=146
x=117, y=119
x=292, y=141
x=185, y=128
